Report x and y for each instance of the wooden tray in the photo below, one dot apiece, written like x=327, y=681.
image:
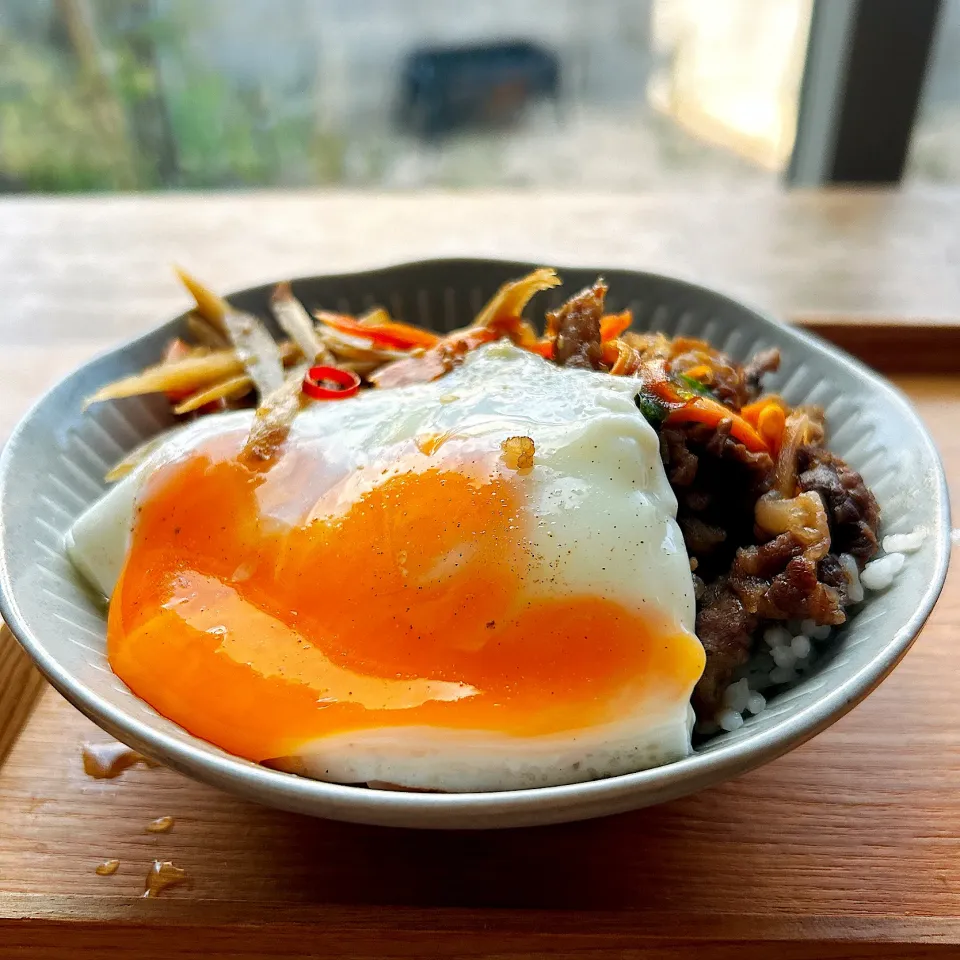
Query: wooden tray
x=847, y=847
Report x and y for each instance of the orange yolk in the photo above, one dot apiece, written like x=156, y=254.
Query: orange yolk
x=410, y=605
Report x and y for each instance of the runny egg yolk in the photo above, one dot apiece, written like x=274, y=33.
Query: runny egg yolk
x=409, y=600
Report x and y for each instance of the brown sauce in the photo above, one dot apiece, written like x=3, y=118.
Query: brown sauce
x=104, y=761
x=162, y=874
x=160, y=825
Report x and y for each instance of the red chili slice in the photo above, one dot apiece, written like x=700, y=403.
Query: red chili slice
x=317, y=383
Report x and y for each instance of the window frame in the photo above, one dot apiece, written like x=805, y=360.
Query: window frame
x=862, y=83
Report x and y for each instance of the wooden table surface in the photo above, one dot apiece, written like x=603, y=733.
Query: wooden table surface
x=847, y=847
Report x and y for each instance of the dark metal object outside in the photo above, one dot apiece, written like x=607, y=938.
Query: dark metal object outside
x=448, y=89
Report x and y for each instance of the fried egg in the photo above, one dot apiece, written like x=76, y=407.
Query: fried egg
x=472, y=584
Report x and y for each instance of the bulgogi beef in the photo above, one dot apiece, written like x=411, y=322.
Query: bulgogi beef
x=750, y=577
x=851, y=508
x=765, y=529
x=575, y=329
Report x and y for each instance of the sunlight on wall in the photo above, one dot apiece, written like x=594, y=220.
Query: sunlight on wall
x=733, y=72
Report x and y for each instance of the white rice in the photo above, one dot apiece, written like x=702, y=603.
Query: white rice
x=736, y=695
x=904, y=542
x=879, y=574
x=777, y=636
x=852, y=573
x=784, y=657
x=791, y=647
x=811, y=629
x=756, y=702
x=783, y=675
x=801, y=646
x=729, y=720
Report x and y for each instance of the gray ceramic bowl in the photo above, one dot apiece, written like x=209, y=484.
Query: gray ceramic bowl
x=53, y=467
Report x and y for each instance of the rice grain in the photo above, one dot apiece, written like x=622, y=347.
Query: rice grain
x=735, y=697
x=879, y=574
x=801, y=647
x=777, y=636
x=904, y=542
x=756, y=702
x=783, y=675
x=852, y=573
x=729, y=720
x=784, y=657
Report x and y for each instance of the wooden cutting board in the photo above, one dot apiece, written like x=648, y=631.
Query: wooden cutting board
x=847, y=847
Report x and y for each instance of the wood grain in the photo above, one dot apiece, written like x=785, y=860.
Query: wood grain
x=924, y=346
x=20, y=688
x=87, y=272
x=847, y=847
x=95, y=268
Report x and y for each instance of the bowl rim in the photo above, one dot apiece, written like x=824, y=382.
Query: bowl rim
x=519, y=806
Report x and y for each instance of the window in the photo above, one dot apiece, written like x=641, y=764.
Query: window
x=935, y=149
x=404, y=94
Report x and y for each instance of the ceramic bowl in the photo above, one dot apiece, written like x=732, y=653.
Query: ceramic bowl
x=54, y=463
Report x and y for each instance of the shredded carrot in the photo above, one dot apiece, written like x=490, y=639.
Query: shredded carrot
x=612, y=325
x=389, y=333
x=523, y=334
x=543, y=348
x=708, y=411
x=771, y=425
x=700, y=372
x=751, y=412
x=470, y=338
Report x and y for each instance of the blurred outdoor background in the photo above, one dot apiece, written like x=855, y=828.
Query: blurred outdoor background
x=401, y=94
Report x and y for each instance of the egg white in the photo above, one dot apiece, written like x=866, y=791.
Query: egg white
x=605, y=526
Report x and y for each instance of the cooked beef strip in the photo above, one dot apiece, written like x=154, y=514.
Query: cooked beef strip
x=726, y=630
x=851, y=508
x=765, y=560
x=793, y=592
x=797, y=594
x=576, y=328
x=717, y=482
x=730, y=383
x=743, y=585
x=830, y=571
x=701, y=537
x=679, y=460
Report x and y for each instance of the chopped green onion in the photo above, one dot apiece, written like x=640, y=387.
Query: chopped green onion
x=654, y=410
x=691, y=383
